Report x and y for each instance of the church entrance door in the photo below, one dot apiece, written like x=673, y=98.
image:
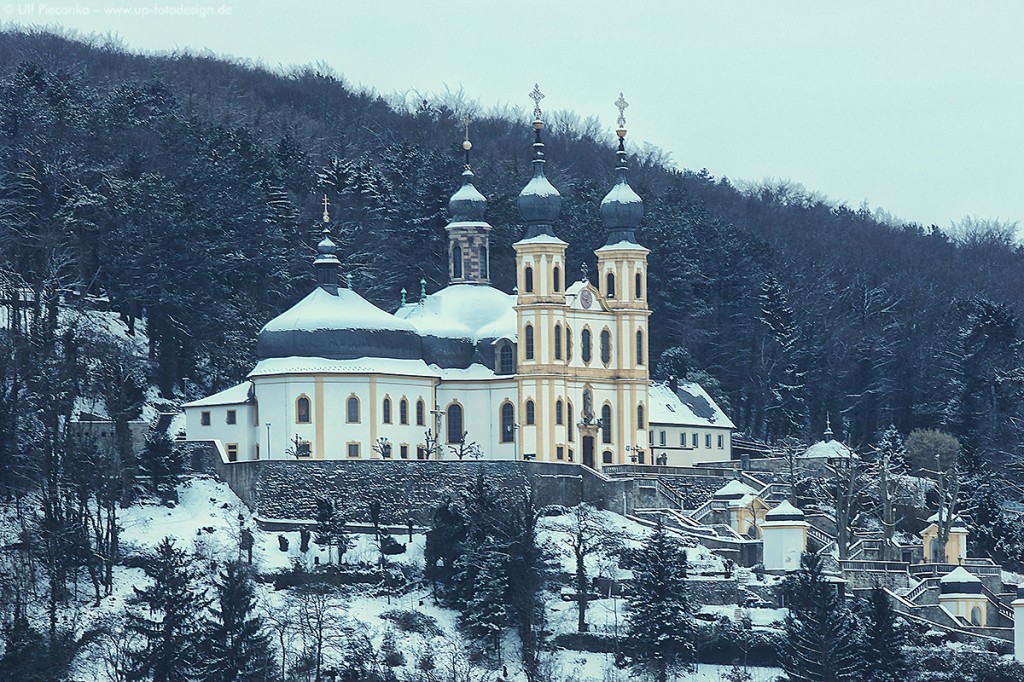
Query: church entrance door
x=588, y=451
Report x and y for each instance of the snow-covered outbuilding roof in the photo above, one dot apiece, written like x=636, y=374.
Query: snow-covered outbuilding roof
x=960, y=575
x=236, y=395
x=960, y=581
x=734, y=490
x=339, y=326
x=785, y=511
x=831, y=449
x=957, y=525
x=688, y=405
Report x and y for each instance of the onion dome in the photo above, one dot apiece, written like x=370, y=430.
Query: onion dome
x=784, y=512
x=327, y=264
x=467, y=204
x=539, y=202
x=621, y=208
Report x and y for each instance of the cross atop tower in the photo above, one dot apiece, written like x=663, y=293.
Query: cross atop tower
x=466, y=120
x=536, y=95
x=327, y=216
x=622, y=104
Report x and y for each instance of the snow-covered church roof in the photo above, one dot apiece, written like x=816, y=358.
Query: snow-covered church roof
x=337, y=326
x=474, y=312
x=688, y=405
x=236, y=395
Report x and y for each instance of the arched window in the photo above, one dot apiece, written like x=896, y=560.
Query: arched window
x=976, y=616
x=352, y=410
x=506, y=359
x=403, y=411
x=639, y=347
x=606, y=457
x=568, y=420
x=558, y=342
x=457, y=262
x=386, y=411
x=606, y=424
x=556, y=275
x=528, y=337
x=420, y=413
x=558, y=411
x=531, y=413
x=568, y=344
x=302, y=410
x=639, y=416
x=455, y=431
x=483, y=262
x=508, y=420
x=609, y=285
x=606, y=346
x=585, y=345
x=639, y=283
x=528, y=279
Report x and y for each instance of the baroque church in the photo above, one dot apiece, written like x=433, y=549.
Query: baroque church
x=555, y=371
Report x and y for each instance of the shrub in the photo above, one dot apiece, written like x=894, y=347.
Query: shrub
x=412, y=621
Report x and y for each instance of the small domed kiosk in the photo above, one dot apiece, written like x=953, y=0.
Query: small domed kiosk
x=962, y=595
x=784, y=533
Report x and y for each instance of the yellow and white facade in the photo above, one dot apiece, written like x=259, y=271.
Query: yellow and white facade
x=557, y=371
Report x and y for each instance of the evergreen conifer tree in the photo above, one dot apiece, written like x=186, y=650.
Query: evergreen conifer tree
x=237, y=648
x=883, y=640
x=161, y=463
x=444, y=542
x=482, y=586
x=171, y=620
x=822, y=636
x=659, y=620
x=330, y=528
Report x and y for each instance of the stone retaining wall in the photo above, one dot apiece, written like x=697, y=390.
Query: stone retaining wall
x=286, y=490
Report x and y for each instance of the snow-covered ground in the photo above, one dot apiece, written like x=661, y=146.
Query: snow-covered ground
x=206, y=521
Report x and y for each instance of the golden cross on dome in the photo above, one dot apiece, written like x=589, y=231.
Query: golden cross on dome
x=327, y=217
x=621, y=103
x=536, y=96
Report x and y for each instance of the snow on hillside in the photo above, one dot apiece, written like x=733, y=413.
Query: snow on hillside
x=206, y=520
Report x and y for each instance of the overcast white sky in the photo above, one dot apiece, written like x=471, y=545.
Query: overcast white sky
x=914, y=106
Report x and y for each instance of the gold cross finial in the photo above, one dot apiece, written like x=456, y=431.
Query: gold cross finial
x=536, y=96
x=466, y=120
x=327, y=216
x=621, y=103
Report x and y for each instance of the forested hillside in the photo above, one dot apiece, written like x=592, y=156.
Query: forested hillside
x=186, y=190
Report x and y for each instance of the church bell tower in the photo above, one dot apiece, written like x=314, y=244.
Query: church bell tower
x=468, y=232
